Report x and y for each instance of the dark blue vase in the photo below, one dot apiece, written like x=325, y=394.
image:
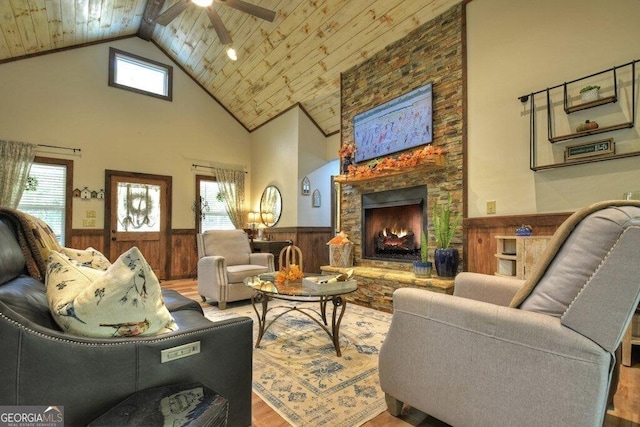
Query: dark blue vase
x=446, y=261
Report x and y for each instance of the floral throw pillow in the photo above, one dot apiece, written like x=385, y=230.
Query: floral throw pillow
x=88, y=257
x=124, y=300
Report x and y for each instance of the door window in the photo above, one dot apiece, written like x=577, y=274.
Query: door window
x=138, y=207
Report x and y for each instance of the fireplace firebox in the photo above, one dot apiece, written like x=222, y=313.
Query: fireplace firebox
x=392, y=223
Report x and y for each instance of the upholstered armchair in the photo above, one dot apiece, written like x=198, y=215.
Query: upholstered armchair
x=538, y=352
x=225, y=260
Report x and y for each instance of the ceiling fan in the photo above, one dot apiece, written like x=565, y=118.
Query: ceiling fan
x=259, y=12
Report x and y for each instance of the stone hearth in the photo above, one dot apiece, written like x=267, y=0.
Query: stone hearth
x=376, y=285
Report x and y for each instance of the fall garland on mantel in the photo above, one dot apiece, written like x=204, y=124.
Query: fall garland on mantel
x=389, y=165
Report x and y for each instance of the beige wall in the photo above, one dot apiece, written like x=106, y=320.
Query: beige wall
x=284, y=151
x=517, y=47
x=312, y=163
x=274, y=151
x=63, y=99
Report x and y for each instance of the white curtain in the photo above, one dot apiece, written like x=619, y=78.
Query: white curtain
x=231, y=185
x=15, y=163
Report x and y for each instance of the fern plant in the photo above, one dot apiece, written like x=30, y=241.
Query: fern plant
x=443, y=224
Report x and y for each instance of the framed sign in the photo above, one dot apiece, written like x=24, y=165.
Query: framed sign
x=602, y=147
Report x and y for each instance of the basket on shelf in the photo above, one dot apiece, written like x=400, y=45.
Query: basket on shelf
x=340, y=255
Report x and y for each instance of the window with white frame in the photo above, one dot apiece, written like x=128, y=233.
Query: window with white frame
x=46, y=196
x=214, y=213
x=141, y=75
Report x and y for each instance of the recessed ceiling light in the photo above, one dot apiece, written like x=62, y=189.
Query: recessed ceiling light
x=231, y=53
x=203, y=3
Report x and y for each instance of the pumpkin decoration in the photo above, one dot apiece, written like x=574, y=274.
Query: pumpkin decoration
x=587, y=125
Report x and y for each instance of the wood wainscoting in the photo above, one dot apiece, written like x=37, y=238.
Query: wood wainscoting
x=312, y=241
x=480, y=236
x=183, y=252
x=87, y=238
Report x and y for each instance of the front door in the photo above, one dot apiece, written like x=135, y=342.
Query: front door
x=137, y=210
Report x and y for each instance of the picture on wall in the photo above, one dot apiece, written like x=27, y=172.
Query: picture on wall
x=402, y=123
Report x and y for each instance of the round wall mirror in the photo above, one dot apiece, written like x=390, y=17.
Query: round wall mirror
x=270, y=206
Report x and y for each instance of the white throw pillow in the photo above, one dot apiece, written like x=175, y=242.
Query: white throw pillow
x=88, y=257
x=125, y=300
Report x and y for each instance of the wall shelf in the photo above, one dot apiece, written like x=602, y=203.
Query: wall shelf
x=591, y=132
x=630, y=117
x=587, y=105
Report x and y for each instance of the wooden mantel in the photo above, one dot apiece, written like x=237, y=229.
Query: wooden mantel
x=433, y=162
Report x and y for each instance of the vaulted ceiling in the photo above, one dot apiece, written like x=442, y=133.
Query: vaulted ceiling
x=294, y=60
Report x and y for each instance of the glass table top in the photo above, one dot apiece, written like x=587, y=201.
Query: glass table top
x=312, y=286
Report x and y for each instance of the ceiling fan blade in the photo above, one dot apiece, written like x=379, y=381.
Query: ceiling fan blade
x=251, y=9
x=222, y=32
x=169, y=15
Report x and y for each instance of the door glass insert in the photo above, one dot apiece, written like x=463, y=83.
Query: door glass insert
x=138, y=207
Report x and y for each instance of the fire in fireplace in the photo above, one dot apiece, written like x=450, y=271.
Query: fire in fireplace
x=392, y=222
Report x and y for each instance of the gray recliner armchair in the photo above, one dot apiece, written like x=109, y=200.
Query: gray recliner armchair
x=502, y=351
x=225, y=260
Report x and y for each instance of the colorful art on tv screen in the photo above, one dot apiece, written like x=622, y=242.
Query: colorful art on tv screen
x=402, y=123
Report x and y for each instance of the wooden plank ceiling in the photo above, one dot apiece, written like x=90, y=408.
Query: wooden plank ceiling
x=296, y=59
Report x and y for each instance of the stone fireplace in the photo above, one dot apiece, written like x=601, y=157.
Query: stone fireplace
x=392, y=223
x=433, y=53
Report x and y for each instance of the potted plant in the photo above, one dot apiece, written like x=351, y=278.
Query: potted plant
x=589, y=93
x=422, y=268
x=445, y=258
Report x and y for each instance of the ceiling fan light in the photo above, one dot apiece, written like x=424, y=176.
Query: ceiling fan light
x=231, y=53
x=203, y=3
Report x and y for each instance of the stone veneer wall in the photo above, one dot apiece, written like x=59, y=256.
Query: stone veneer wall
x=432, y=53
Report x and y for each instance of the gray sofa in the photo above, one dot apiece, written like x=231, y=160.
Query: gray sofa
x=540, y=352
x=41, y=365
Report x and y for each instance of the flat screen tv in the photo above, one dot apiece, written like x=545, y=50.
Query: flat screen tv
x=402, y=123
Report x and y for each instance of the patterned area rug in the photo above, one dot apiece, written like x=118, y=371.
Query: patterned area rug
x=296, y=370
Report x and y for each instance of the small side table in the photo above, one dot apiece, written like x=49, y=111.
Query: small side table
x=176, y=405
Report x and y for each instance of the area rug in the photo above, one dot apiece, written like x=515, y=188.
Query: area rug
x=297, y=373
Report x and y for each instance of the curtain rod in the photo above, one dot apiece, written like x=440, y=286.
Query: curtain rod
x=58, y=147
x=208, y=167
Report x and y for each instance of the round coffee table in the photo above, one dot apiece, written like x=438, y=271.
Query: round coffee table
x=266, y=290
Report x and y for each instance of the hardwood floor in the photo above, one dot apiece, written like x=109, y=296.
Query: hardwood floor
x=626, y=400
